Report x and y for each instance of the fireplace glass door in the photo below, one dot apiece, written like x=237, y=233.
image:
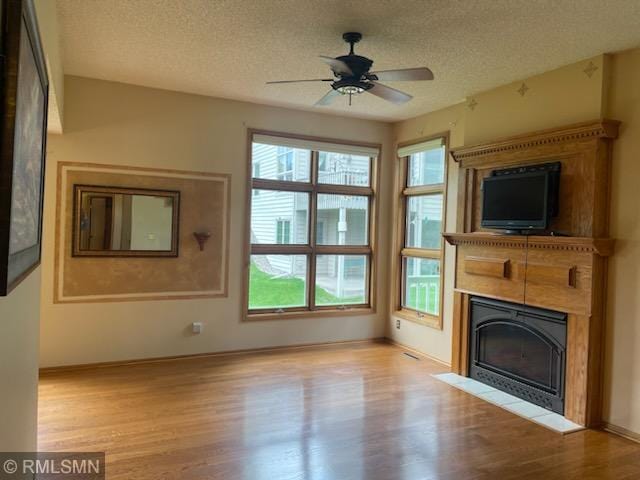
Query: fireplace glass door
x=515, y=350
x=520, y=350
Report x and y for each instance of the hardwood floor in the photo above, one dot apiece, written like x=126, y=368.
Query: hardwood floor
x=356, y=411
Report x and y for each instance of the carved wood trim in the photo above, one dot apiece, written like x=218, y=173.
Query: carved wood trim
x=602, y=128
x=599, y=246
x=488, y=267
x=551, y=275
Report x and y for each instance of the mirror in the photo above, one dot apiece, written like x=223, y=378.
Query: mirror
x=125, y=222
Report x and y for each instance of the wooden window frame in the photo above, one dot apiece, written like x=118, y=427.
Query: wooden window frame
x=310, y=249
x=403, y=193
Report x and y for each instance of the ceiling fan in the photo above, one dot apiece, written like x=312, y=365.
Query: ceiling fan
x=352, y=76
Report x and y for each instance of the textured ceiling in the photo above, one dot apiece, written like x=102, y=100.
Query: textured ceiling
x=229, y=48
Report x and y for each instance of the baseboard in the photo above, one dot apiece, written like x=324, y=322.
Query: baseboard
x=622, y=432
x=119, y=363
x=416, y=352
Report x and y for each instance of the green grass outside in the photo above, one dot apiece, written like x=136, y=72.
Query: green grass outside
x=266, y=291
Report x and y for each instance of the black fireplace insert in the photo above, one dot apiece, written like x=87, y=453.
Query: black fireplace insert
x=520, y=350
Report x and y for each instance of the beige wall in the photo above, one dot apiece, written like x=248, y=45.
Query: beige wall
x=622, y=388
x=121, y=124
x=559, y=97
x=19, y=334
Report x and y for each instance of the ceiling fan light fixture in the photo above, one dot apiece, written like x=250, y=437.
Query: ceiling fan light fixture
x=350, y=90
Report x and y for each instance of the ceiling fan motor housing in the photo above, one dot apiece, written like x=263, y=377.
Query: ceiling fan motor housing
x=358, y=65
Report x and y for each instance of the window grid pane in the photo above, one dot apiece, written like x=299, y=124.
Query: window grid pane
x=423, y=226
x=278, y=281
x=344, y=219
x=279, y=217
x=421, y=284
x=341, y=280
x=426, y=168
x=271, y=162
x=343, y=169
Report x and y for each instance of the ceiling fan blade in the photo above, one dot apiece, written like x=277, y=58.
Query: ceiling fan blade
x=337, y=66
x=299, y=81
x=406, y=74
x=328, y=98
x=390, y=94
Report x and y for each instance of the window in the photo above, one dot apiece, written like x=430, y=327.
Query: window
x=310, y=227
x=283, y=232
x=423, y=173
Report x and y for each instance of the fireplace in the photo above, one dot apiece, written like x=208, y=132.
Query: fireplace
x=519, y=350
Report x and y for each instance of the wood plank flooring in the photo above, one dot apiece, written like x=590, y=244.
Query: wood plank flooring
x=357, y=411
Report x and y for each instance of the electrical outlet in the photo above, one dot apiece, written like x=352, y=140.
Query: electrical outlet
x=196, y=328
x=398, y=324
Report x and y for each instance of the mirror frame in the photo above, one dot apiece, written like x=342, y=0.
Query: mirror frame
x=78, y=190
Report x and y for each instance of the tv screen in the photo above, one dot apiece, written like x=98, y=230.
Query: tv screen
x=516, y=201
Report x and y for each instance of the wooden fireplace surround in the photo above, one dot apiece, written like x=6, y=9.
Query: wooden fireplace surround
x=562, y=273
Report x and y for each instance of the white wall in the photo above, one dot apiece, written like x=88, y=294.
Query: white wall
x=20, y=310
x=121, y=124
x=19, y=340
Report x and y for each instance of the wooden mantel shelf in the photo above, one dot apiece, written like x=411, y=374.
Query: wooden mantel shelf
x=601, y=128
x=599, y=246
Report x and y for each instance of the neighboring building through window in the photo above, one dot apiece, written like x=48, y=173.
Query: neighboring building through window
x=285, y=163
x=421, y=255
x=297, y=266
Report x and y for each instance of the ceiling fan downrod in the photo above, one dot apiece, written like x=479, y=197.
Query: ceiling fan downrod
x=351, y=38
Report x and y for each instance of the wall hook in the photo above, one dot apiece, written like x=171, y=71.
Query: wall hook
x=202, y=238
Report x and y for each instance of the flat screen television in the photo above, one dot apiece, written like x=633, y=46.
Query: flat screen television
x=519, y=202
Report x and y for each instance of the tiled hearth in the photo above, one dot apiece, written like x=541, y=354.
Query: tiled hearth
x=513, y=404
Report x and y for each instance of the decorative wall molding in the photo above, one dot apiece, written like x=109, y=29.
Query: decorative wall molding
x=599, y=246
x=590, y=70
x=193, y=274
x=523, y=89
x=602, y=128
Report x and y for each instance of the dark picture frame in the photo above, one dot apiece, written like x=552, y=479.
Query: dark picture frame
x=24, y=95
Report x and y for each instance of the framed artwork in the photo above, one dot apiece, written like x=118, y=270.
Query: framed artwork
x=24, y=94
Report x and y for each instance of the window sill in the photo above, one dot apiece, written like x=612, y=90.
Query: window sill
x=425, y=319
x=349, y=312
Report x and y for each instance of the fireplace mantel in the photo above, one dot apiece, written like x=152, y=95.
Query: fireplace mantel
x=562, y=273
x=599, y=246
